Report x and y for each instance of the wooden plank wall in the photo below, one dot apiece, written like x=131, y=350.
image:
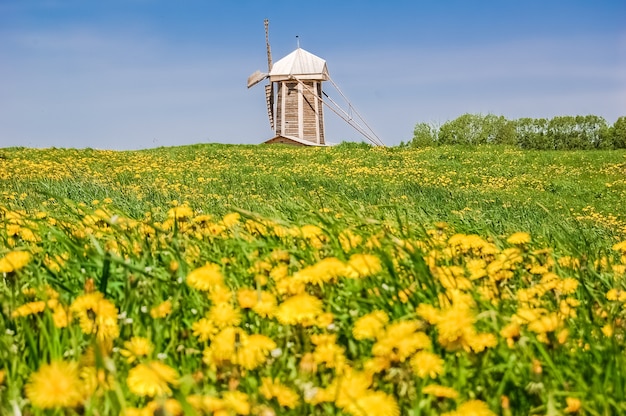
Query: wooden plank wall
x=312, y=119
x=298, y=112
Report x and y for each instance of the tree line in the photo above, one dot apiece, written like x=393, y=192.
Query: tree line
x=558, y=133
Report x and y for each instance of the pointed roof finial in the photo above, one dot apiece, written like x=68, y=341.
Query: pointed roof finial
x=298, y=41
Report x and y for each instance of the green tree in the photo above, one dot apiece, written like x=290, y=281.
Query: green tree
x=424, y=135
x=558, y=131
x=466, y=129
x=618, y=133
x=531, y=133
x=476, y=129
x=498, y=130
x=595, y=131
x=579, y=132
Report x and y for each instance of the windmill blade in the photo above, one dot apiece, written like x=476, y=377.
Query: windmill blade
x=267, y=45
x=269, y=99
x=256, y=77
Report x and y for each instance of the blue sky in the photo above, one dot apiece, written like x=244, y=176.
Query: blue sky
x=137, y=74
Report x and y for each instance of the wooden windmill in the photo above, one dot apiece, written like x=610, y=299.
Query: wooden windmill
x=295, y=98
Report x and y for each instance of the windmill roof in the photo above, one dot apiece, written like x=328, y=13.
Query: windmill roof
x=301, y=64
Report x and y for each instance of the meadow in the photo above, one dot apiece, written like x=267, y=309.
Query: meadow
x=270, y=280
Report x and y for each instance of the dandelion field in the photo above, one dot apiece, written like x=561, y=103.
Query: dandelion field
x=269, y=280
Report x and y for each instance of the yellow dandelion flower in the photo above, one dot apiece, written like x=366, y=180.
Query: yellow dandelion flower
x=96, y=315
x=370, y=326
x=562, y=336
x=616, y=295
x=480, y=342
x=152, y=379
x=566, y=310
x=279, y=255
x=247, y=298
x=351, y=385
x=349, y=240
x=567, y=286
x=324, y=320
x=210, y=404
x=261, y=302
x=224, y=315
x=427, y=364
x=511, y=332
x=471, y=408
x=223, y=345
x=477, y=268
x=326, y=270
x=170, y=407
x=327, y=351
x=220, y=294
x=180, y=212
x=136, y=347
x=440, y=391
x=14, y=260
x=64, y=391
x=237, y=401
x=30, y=308
x=569, y=262
x=213, y=404
x=375, y=403
x=376, y=365
x=230, y=220
x=61, y=316
x=285, y=396
x=161, y=310
x=455, y=325
x=95, y=381
x=235, y=346
x=204, y=329
x=519, y=238
x=573, y=405
x=621, y=247
x=400, y=340
x=299, y=309
x=429, y=313
x=205, y=278
x=266, y=307
x=314, y=234
x=291, y=286
x=363, y=265
x=279, y=272
x=526, y=315
x=254, y=351
x=546, y=323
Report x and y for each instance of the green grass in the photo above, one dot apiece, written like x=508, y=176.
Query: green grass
x=495, y=189
x=107, y=216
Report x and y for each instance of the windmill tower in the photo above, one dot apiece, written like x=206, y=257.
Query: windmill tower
x=295, y=99
x=294, y=96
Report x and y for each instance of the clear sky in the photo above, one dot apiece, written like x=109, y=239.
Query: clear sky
x=134, y=74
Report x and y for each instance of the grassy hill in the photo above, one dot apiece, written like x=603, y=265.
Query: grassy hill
x=493, y=189
x=265, y=280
